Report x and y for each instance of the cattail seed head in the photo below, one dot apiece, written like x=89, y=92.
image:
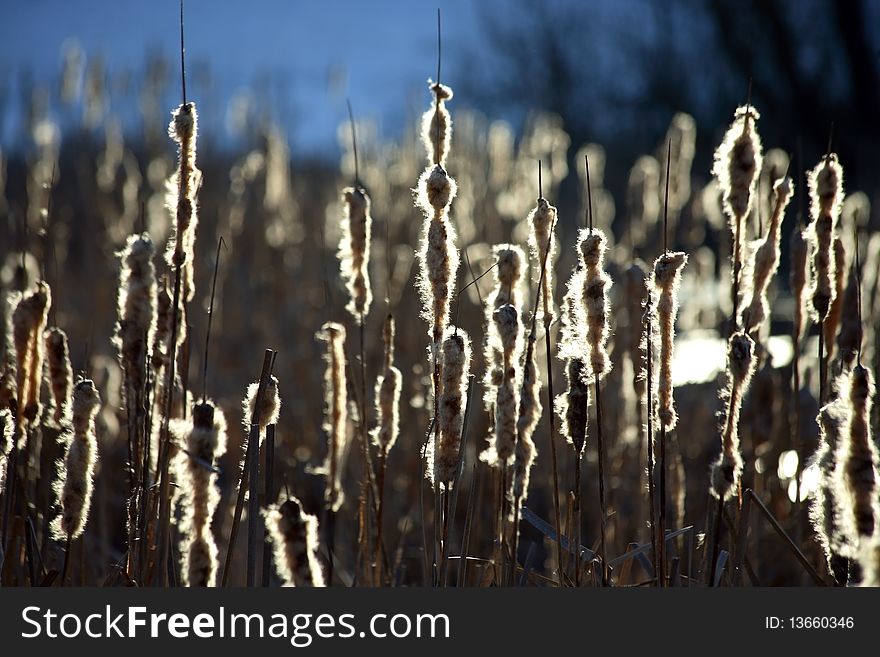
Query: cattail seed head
x=738, y=161
x=456, y=358
x=503, y=439
x=73, y=487
x=726, y=471
x=572, y=405
x=387, y=393
x=542, y=219
x=205, y=442
x=437, y=125
x=766, y=259
x=665, y=283
x=591, y=249
x=508, y=276
x=294, y=535
x=335, y=411
x=270, y=404
x=858, y=460
x=825, y=507
x=60, y=374
x=825, y=182
x=354, y=251
x=438, y=256
x=28, y=323
x=136, y=312
x=182, y=192
x=529, y=414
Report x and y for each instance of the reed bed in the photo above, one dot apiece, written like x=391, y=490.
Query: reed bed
x=625, y=429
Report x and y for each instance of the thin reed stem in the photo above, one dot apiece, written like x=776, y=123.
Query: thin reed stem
x=661, y=526
x=602, y=504
x=268, y=498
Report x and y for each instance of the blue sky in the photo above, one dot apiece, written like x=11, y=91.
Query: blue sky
x=378, y=52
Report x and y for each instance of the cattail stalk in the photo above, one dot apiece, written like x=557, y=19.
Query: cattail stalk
x=798, y=257
x=387, y=408
x=260, y=413
x=133, y=338
x=726, y=471
x=591, y=250
x=572, y=406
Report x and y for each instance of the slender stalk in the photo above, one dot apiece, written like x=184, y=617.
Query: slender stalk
x=716, y=540
x=661, y=526
x=253, y=501
x=268, y=498
x=649, y=426
x=602, y=505
x=244, y=473
x=64, y=568
x=578, y=521
x=823, y=364
x=476, y=486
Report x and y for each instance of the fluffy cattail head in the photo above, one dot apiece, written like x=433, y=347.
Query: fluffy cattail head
x=825, y=506
x=766, y=258
x=438, y=256
x=738, y=161
x=294, y=535
x=205, y=441
x=388, y=387
x=182, y=190
x=859, y=460
x=826, y=196
x=354, y=251
x=335, y=411
x=727, y=470
x=436, y=190
x=725, y=475
x=741, y=358
x=825, y=182
x=529, y=413
x=74, y=484
x=437, y=124
x=60, y=374
x=665, y=283
x=507, y=324
x=542, y=219
x=572, y=406
x=508, y=275
x=270, y=405
x=136, y=312
x=456, y=358
x=28, y=323
x=591, y=250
